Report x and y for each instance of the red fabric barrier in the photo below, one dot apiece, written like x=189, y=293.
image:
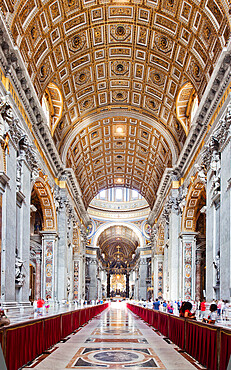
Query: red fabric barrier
x=67, y=328
x=163, y=324
x=201, y=343
x=225, y=349
x=91, y=310
x=23, y=344
x=82, y=316
x=149, y=318
x=52, y=331
x=75, y=320
x=155, y=319
x=87, y=318
x=146, y=314
x=177, y=331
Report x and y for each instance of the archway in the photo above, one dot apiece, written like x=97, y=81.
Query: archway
x=43, y=220
x=118, y=256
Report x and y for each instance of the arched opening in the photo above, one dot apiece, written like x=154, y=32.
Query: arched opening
x=118, y=256
x=43, y=218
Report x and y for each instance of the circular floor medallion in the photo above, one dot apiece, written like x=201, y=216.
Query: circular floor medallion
x=116, y=331
x=116, y=356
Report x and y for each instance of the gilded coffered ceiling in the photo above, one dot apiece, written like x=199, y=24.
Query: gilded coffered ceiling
x=119, y=151
x=118, y=244
x=119, y=59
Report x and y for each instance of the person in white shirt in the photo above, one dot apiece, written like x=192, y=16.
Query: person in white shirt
x=212, y=318
x=150, y=304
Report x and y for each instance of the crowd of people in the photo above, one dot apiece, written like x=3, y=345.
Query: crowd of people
x=206, y=312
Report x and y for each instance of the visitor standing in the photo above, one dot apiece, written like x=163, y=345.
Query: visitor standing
x=203, y=309
x=156, y=304
x=40, y=303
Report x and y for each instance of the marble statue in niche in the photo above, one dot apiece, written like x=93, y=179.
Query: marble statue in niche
x=19, y=275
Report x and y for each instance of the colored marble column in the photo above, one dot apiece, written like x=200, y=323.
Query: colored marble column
x=76, y=293
x=127, y=285
x=189, y=246
x=108, y=284
x=198, y=276
x=38, y=276
x=48, y=264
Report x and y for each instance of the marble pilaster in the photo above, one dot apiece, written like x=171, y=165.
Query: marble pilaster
x=165, y=274
x=24, y=224
x=93, y=266
x=173, y=250
x=62, y=255
x=142, y=279
x=225, y=225
x=9, y=230
x=210, y=231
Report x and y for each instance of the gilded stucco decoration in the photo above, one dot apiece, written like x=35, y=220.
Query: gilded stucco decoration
x=160, y=240
x=119, y=151
x=45, y=196
x=195, y=197
x=181, y=40
x=112, y=57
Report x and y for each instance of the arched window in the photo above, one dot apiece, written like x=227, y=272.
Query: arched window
x=187, y=103
x=52, y=104
x=46, y=108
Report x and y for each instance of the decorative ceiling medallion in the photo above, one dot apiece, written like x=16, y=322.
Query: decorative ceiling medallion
x=120, y=67
x=35, y=32
x=120, y=32
x=119, y=96
x=195, y=70
x=157, y=77
x=77, y=42
x=45, y=70
x=86, y=104
x=82, y=76
x=152, y=104
x=163, y=43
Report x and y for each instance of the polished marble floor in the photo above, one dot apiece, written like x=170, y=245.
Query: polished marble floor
x=116, y=339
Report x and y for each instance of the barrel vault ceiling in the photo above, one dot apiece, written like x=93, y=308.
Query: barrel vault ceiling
x=119, y=68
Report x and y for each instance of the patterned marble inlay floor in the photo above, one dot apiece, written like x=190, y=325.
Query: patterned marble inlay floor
x=114, y=340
